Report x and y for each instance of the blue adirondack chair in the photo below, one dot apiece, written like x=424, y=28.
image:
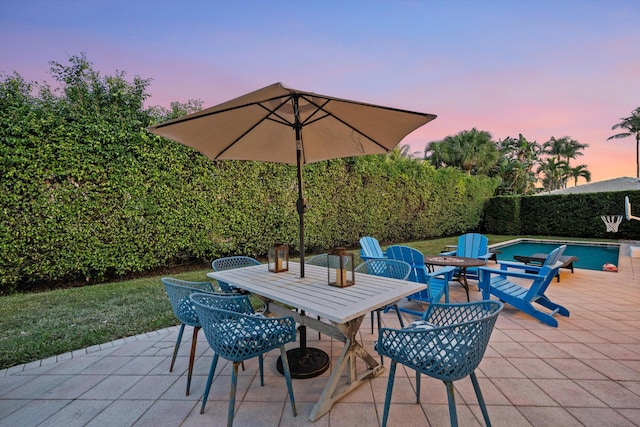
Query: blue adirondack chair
x=370, y=249
x=496, y=282
x=471, y=245
x=553, y=257
x=437, y=282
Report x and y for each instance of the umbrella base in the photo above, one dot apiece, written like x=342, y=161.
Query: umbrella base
x=305, y=363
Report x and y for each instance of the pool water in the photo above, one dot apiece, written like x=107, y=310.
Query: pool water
x=590, y=256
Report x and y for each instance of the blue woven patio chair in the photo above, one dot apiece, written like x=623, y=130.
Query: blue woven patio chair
x=392, y=268
x=448, y=344
x=178, y=292
x=237, y=336
x=437, y=282
x=323, y=259
x=229, y=263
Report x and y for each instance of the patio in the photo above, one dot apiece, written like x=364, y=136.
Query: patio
x=585, y=372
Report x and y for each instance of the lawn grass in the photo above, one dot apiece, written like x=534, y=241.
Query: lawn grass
x=35, y=326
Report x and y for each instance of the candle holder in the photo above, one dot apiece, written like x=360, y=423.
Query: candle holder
x=340, y=268
x=278, y=258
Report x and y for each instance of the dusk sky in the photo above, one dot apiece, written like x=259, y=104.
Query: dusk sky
x=541, y=68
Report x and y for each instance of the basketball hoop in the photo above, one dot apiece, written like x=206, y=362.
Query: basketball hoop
x=612, y=222
x=627, y=210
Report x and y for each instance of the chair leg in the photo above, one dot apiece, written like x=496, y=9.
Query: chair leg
x=452, y=404
x=372, y=322
x=287, y=376
x=418, y=384
x=232, y=394
x=192, y=356
x=261, y=365
x=379, y=327
x=176, y=347
x=387, y=398
x=483, y=406
x=395, y=306
x=207, y=388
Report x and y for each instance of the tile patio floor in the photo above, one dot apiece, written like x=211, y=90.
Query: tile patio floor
x=585, y=372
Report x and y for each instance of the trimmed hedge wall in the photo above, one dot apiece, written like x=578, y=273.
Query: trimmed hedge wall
x=570, y=215
x=79, y=216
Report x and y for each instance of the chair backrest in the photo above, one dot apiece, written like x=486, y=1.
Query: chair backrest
x=238, y=336
x=472, y=245
x=449, y=344
x=540, y=285
x=392, y=268
x=229, y=263
x=178, y=292
x=461, y=337
x=554, y=256
x=323, y=259
x=413, y=257
x=229, y=302
x=370, y=248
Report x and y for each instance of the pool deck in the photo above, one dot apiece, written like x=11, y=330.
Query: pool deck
x=586, y=372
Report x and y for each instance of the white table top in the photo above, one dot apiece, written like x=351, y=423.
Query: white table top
x=314, y=295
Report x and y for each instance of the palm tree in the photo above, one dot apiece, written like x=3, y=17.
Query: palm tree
x=515, y=168
x=561, y=151
x=554, y=173
x=563, y=148
x=579, y=171
x=473, y=151
x=632, y=125
x=433, y=153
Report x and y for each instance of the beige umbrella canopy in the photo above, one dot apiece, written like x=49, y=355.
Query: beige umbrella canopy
x=283, y=125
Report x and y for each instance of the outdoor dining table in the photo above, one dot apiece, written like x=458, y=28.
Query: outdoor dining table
x=462, y=263
x=334, y=311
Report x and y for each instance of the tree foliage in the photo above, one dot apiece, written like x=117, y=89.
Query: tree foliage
x=88, y=194
x=520, y=164
x=631, y=125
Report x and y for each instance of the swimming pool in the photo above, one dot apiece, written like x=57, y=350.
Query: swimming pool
x=591, y=255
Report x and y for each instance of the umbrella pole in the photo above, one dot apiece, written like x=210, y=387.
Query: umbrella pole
x=304, y=362
x=301, y=203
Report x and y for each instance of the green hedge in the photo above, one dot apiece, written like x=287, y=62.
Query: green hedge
x=570, y=215
x=87, y=194
x=171, y=205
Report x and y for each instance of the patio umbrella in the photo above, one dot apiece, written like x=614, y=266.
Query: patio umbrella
x=283, y=125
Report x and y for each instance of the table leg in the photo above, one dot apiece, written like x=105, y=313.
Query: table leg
x=352, y=348
x=462, y=278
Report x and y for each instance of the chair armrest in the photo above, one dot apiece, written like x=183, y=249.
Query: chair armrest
x=367, y=258
x=484, y=271
x=521, y=265
x=485, y=256
x=445, y=272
